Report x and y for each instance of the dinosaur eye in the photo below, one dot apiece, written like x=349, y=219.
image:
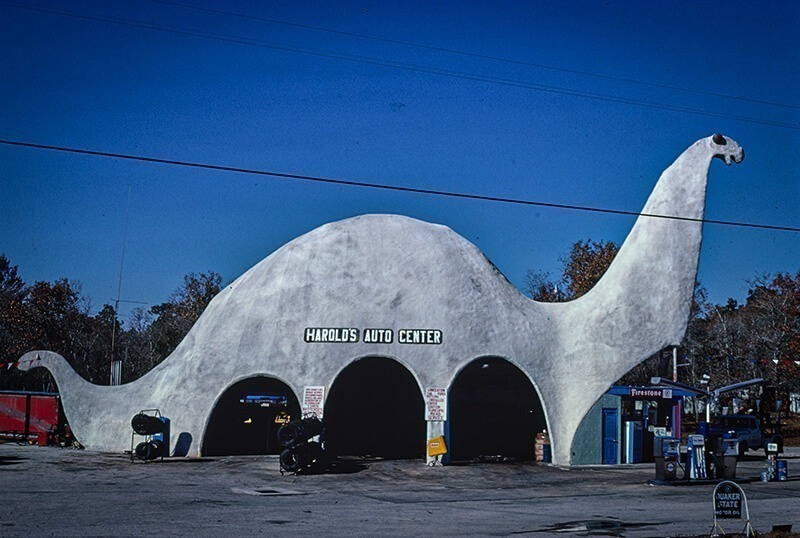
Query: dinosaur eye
x=719, y=139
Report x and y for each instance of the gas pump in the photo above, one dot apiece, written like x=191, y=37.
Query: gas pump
x=725, y=463
x=666, y=451
x=696, y=461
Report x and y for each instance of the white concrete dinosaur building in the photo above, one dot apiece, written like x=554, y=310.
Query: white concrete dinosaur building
x=393, y=272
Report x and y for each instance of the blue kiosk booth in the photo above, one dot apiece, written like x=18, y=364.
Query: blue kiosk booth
x=622, y=425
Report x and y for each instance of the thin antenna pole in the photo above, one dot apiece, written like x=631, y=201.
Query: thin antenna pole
x=119, y=290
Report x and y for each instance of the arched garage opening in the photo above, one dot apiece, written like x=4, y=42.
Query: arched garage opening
x=247, y=417
x=494, y=411
x=375, y=408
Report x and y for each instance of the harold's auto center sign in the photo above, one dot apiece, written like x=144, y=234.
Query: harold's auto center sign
x=350, y=335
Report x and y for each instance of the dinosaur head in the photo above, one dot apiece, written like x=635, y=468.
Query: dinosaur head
x=726, y=148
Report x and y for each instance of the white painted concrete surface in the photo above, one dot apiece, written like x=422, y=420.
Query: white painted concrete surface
x=394, y=272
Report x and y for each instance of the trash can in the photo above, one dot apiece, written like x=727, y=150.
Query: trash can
x=726, y=467
x=783, y=471
x=727, y=457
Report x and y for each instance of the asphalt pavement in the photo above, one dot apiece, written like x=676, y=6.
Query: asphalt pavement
x=46, y=491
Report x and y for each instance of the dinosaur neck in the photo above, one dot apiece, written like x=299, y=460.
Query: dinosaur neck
x=681, y=189
x=641, y=304
x=650, y=283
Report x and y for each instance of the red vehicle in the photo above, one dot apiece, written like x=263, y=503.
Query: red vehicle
x=32, y=416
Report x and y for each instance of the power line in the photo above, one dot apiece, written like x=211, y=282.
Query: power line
x=475, y=54
x=414, y=68
x=332, y=181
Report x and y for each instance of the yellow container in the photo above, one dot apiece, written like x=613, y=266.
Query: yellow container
x=436, y=447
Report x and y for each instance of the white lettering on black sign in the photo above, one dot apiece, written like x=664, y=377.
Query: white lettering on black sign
x=647, y=394
x=315, y=335
x=378, y=336
x=728, y=501
x=347, y=335
x=419, y=336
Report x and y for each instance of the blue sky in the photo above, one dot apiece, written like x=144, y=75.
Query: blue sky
x=581, y=103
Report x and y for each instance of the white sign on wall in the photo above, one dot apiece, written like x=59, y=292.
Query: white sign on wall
x=435, y=403
x=313, y=400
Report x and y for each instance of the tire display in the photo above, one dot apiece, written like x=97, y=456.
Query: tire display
x=149, y=450
x=155, y=430
x=300, y=452
x=146, y=424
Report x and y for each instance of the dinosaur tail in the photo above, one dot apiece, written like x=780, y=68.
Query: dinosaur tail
x=77, y=395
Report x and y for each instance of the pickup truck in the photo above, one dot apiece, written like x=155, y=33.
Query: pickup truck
x=746, y=427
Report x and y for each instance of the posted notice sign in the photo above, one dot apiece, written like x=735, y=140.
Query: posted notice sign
x=435, y=403
x=313, y=399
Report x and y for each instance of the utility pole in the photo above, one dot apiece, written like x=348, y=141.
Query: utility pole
x=116, y=366
x=675, y=363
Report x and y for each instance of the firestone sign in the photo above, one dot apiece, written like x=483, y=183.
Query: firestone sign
x=650, y=393
x=350, y=335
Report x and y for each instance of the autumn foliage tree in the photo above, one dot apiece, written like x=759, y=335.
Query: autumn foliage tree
x=729, y=343
x=174, y=318
x=56, y=317
x=153, y=334
x=585, y=264
x=43, y=316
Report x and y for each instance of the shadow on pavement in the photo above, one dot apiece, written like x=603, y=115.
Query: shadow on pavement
x=338, y=466
x=10, y=460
